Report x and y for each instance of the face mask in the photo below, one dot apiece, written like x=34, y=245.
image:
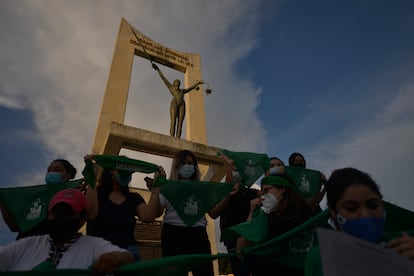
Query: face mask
x=186, y=171
x=237, y=177
x=368, y=228
x=53, y=177
x=269, y=203
x=61, y=230
x=123, y=181
x=274, y=170
x=299, y=165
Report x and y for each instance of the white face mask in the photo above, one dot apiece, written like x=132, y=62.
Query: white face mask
x=274, y=170
x=237, y=177
x=269, y=203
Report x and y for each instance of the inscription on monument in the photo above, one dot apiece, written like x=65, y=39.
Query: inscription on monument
x=162, y=51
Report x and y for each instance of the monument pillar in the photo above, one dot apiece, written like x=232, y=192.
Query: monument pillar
x=112, y=134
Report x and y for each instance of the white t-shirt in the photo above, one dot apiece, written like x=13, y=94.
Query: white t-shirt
x=171, y=216
x=25, y=254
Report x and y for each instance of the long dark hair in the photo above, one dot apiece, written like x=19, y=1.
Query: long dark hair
x=292, y=158
x=69, y=168
x=292, y=211
x=277, y=158
x=341, y=179
x=291, y=204
x=106, y=186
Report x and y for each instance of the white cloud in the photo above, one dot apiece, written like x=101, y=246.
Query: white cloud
x=382, y=147
x=62, y=74
x=10, y=102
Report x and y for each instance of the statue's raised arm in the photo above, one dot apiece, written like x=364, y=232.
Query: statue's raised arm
x=194, y=86
x=165, y=80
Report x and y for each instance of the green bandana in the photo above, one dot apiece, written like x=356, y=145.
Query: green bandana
x=249, y=165
x=174, y=265
x=45, y=266
x=307, y=182
x=256, y=230
x=192, y=199
x=124, y=165
x=276, y=181
x=28, y=205
x=290, y=248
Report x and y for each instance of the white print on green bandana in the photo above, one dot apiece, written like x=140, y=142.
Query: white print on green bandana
x=304, y=184
x=127, y=167
x=191, y=206
x=302, y=242
x=34, y=210
x=250, y=168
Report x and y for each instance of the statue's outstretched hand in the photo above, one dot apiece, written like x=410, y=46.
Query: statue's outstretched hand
x=155, y=67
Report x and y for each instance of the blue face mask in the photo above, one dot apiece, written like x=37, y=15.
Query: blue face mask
x=123, y=181
x=186, y=171
x=368, y=228
x=274, y=170
x=53, y=177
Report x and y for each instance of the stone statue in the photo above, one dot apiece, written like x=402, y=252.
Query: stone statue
x=177, y=106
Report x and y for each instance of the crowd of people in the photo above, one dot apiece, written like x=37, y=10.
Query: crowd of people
x=109, y=210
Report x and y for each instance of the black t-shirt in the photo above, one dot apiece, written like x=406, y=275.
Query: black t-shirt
x=238, y=208
x=116, y=222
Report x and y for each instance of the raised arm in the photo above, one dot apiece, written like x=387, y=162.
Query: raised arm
x=165, y=80
x=222, y=205
x=92, y=195
x=109, y=262
x=148, y=212
x=8, y=219
x=192, y=87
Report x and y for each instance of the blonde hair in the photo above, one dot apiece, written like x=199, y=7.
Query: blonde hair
x=179, y=160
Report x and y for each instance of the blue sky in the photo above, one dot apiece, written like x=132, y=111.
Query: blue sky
x=330, y=79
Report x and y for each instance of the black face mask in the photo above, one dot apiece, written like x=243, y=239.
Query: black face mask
x=62, y=230
x=299, y=165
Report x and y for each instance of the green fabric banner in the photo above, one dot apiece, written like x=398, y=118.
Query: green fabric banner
x=174, y=265
x=192, y=199
x=307, y=182
x=122, y=164
x=397, y=218
x=169, y=266
x=28, y=205
x=256, y=230
x=51, y=272
x=291, y=247
x=250, y=165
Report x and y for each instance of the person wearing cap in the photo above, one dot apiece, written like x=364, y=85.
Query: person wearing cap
x=285, y=210
x=64, y=247
x=58, y=171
